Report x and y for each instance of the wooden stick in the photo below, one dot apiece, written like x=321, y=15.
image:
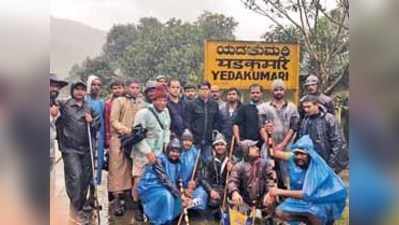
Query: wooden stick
x=185, y=213
x=227, y=175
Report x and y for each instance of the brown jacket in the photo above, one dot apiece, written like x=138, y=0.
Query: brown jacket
x=123, y=112
x=252, y=180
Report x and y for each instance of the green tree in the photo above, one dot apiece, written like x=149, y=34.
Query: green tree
x=323, y=34
x=149, y=48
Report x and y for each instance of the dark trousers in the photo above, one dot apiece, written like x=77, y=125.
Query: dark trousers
x=78, y=174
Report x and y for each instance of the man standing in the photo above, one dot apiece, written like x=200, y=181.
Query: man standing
x=117, y=90
x=190, y=92
x=159, y=194
x=202, y=116
x=175, y=107
x=247, y=123
x=252, y=179
x=123, y=113
x=94, y=85
x=217, y=96
x=317, y=195
x=75, y=114
x=323, y=129
x=285, y=118
x=312, y=85
x=229, y=111
x=55, y=86
x=155, y=118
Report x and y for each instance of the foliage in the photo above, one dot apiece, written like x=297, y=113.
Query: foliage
x=150, y=48
x=323, y=35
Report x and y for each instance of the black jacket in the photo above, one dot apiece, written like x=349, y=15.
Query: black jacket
x=73, y=127
x=327, y=138
x=213, y=177
x=202, y=118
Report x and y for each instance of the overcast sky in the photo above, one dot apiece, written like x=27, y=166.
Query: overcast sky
x=103, y=14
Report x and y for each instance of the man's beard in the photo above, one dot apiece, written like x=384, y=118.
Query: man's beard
x=278, y=97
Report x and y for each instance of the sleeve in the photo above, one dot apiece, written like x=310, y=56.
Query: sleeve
x=143, y=145
x=234, y=179
x=164, y=179
x=335, y=140
x=116, y=109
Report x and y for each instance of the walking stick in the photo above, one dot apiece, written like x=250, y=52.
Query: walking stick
x=253, y=211
x=97, y=206
x=185, y=213
x=223, y=208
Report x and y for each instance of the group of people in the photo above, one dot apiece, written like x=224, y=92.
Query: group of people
x=201, y=150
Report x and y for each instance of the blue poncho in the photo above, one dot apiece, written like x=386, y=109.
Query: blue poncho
x=187, y=158
x=98, y=106
x=159, y=204
x=324, y=191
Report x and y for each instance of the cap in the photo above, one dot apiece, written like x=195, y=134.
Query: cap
x=55, y=79
x=218, y=138
x=150, y=84
x=187, y=135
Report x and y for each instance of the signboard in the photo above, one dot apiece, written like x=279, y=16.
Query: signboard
x=242, y=63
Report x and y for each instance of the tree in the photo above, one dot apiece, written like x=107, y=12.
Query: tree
x=149, y=48
x=324, y=34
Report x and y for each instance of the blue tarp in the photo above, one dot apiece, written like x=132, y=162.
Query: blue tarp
x=188, y=158
x=324, y=191
x=159, y=204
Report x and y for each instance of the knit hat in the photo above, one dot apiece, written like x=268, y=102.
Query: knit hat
x=77, y=83
x=218, y=138
x=174, y=144
x=150, y=84
x=187, y=135
x=160, y=92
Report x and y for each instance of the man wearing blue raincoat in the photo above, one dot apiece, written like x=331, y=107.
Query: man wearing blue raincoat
x=189, y=160
x=161, y=199
x=96, y=103
x=317, y=195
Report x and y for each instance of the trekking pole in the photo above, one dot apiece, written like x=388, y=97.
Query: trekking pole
x=223, y=208
x=192, y=179
x=185, y=212
x=97, y=206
